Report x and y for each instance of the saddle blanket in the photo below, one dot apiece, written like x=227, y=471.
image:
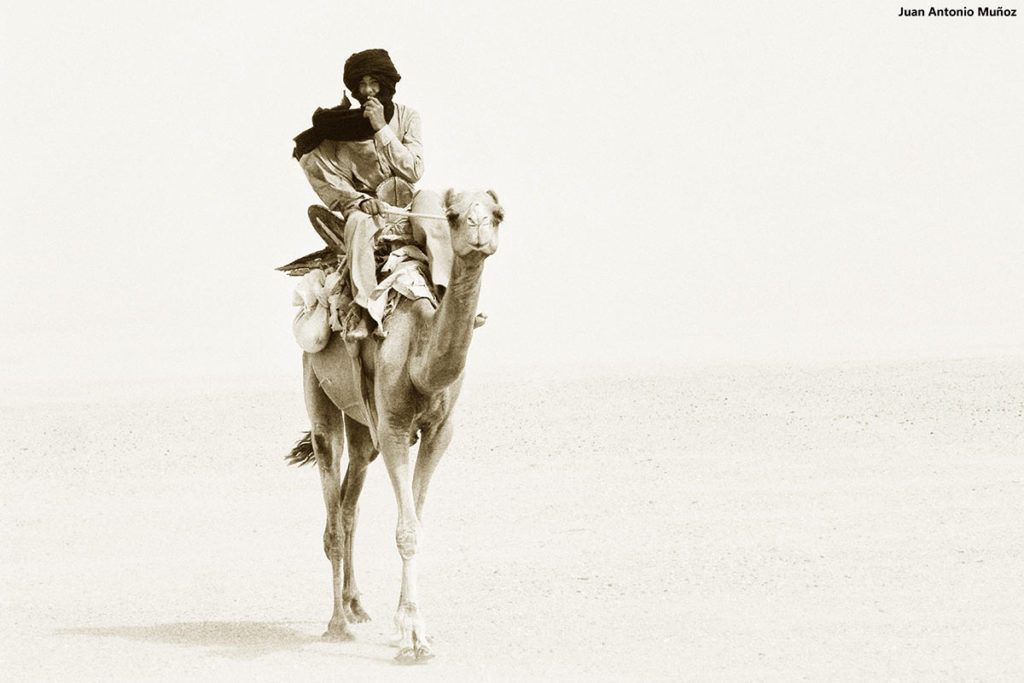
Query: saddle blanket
x=320, y=291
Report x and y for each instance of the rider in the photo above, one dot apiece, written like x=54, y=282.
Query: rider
x=349, y=153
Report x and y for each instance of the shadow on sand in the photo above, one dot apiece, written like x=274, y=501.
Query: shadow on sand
x=235, y=639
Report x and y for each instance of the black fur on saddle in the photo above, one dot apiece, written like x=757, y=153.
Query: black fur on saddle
x=325, y=259
x=332, y=230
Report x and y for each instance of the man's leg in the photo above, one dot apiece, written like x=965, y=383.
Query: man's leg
x=434, y=234
x=360, y=231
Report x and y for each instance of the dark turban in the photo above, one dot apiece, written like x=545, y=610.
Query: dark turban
x=376, y=63
x=342, y=122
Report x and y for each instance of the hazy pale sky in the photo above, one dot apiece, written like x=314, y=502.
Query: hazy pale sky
x=682, y=181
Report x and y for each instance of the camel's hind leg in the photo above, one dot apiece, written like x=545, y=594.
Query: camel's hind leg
x=360, y=453
x=327, y=435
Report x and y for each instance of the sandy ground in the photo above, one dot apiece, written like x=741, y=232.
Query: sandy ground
x=723, y=523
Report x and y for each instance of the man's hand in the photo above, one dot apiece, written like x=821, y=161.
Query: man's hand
x=371, y=207
x=374, y=111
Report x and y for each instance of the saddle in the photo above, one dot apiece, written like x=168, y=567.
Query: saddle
x=331, y=228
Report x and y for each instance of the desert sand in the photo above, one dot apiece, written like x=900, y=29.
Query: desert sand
x=734, y=522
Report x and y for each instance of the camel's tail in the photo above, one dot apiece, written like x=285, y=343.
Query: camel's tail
x=302, y=451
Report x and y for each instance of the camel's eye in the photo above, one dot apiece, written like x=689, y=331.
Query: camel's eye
x=453, y=216
x=499, y=215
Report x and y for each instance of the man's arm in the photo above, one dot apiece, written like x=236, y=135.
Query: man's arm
x=405, y=155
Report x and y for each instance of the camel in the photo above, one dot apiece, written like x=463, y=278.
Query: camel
x=413, y=376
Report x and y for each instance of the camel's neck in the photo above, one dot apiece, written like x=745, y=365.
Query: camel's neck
x=443, y=356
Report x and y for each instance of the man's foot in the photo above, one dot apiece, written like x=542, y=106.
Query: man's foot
x=479, y=321
x=354, y=325
x=357, y=331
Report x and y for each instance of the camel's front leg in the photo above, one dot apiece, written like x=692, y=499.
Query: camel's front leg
x=433, y=444
x=413, y=641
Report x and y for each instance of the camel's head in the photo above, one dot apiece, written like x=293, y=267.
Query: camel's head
x=474, y=218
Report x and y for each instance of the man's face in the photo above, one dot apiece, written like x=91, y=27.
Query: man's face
x=368, y=87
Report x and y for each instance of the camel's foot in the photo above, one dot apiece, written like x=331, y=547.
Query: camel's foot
x=479, y=320
x=414, y=645
x=338, y=631
x=420, y=653
x=354, y=611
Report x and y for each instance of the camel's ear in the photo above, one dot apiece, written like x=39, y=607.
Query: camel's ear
x=499, y=213
x=449, y=211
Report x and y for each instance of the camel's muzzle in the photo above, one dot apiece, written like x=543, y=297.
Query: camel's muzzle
x=480, y=230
